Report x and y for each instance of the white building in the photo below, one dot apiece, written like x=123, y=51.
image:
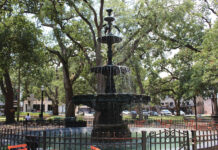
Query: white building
x=168, y=102
x=33, y=104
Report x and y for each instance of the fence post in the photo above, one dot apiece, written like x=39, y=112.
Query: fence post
x=44, y=140
x=144, y=140
x=194, y=140
x=188, y=144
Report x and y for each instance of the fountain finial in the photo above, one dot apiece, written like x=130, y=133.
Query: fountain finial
x=109, y=11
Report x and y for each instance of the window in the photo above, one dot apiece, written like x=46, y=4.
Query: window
x=49, y=107
x=171, y=103
x=36, y=107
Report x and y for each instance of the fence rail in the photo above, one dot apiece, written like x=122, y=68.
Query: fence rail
x=58, y=139
x=191, y=124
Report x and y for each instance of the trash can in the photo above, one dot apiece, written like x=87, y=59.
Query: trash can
x=145, y=117
x=70, y=121
x=134, y=116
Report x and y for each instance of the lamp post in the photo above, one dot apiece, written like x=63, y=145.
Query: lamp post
x=42, y=90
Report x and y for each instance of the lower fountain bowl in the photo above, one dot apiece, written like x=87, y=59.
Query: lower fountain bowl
x=111, y=133
x=91, y=99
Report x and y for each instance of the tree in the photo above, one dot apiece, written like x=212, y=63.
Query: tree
x=19, y=44
x=204, y=78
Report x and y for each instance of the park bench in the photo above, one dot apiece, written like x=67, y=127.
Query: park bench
x=18, y=147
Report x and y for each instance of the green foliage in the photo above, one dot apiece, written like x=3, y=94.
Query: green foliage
x=172, y=37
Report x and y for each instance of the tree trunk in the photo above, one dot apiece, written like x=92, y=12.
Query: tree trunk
x=18, y=97
x=55, y=109
x=139, y=81
x=196, y=117
x=214, y=99
x=55, y=102
x=142, y=91
x=100, y=78
x=177, y=108
x=70, y=107
x=8, y=93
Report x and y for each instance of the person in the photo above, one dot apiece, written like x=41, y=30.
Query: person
x=27, y=117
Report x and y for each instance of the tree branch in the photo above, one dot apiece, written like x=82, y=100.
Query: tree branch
x=207, y=21
x=134, y=47
x=94, y=12
x=164, y=90
x=129, y=39
x=57, y=53
x=86, y=21
x=167, y=70
x=4, y=3
x=48, y=25
x=101, y=14
x=52, y=99
x=176, y=41
x=79, y=45
x=211, y=9
x=78, y=72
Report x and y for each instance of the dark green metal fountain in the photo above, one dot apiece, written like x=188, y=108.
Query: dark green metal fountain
x=108, y=106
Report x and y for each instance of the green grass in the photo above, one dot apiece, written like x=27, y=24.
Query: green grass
x=166, y=117
x=33, y=114
x=127, y=117
x=55, y=117
x=2, y=118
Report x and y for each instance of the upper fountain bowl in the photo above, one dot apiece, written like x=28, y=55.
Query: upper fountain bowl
x=110, y=70
x=110, y=38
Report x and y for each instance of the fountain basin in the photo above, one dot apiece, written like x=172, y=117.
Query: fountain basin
x=91, y=99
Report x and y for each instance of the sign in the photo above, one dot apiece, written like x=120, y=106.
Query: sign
x=94, y=148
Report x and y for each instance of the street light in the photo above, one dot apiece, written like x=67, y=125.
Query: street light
x=42, y=90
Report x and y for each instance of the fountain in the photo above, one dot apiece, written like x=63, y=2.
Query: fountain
x=108, y=106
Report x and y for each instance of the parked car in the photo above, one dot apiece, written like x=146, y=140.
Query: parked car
x=133, y=112
x=165, y=112
x=125, y=112
x=50, y=112
x=80, y=113
x=153, y=113
x=145, y=113
x=90, y=114
x=182, y=113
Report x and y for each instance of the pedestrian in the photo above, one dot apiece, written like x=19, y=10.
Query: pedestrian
x=28, y=117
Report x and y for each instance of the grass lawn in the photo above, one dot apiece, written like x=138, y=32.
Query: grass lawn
x=166, y=117
x=32, y=114
x=127, y=117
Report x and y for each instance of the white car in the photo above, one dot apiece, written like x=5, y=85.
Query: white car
x=145, y=113
x=181, y=113
x=125, y=112
x=165, y=112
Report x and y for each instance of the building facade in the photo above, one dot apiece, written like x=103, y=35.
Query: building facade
x=204, y=106
x=32, y=104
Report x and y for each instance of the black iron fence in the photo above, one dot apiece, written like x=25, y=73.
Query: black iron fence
x=68, y=139
x=191, y=124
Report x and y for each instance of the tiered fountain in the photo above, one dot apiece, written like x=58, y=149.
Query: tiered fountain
x=108, y=106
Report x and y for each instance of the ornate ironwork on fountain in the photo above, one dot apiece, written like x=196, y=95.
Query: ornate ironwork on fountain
x=109, y=106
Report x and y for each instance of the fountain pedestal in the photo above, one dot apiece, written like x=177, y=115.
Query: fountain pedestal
x=108, y=120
